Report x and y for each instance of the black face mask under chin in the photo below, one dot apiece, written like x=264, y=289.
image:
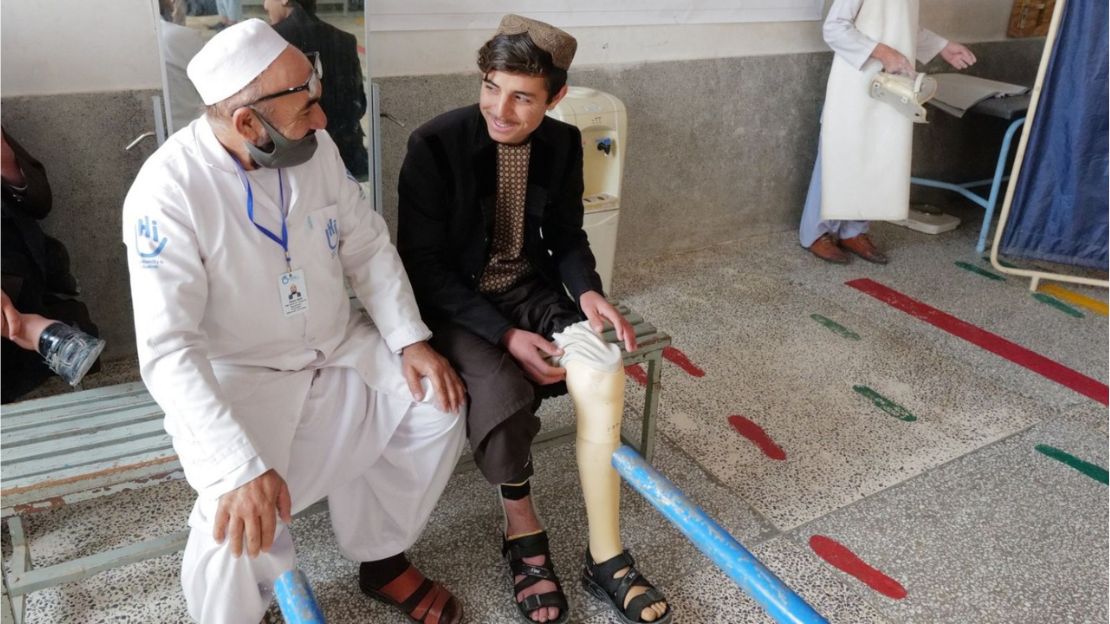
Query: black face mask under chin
x=283, y=152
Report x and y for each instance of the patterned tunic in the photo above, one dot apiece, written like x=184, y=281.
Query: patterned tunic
x=507, y=264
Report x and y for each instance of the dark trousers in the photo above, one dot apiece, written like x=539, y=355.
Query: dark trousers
x=501, y=420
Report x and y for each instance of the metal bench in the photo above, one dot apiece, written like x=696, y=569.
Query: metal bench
x=84, y=445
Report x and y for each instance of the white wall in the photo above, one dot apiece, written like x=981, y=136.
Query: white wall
x=419, y=53
x=77, y=46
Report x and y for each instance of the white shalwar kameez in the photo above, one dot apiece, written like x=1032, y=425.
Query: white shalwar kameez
x=316, y=394
x=853, y=47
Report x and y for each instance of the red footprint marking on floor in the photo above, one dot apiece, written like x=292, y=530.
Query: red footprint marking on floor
x=838, y=556
x=679, y=359
x=758, y=436
x=637, y=372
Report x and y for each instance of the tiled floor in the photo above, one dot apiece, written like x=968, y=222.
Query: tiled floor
x=957, y=505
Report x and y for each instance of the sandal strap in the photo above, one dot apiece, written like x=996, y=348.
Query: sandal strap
x=408, y=589
x=425, y=600
x=549, y=599
x=532, y=574
x=430, y=610
x=625, y=584
x=607, y=569
x=525, y=546
x=641, y=602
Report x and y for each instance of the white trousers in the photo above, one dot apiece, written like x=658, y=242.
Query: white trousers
x=811, y=226
x=382, y=463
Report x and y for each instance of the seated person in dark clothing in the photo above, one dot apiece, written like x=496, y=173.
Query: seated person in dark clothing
x=39, y=294
x=490, y=231
x=344, y=99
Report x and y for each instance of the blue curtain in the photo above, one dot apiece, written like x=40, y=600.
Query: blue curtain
x=1059, y=212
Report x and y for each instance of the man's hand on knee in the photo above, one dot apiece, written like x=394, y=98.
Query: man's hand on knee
x=249, y=513
x=530, y=350
x=598, y=310
x=419, y=360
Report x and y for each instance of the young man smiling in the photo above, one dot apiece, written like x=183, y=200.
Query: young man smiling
x=490, y=231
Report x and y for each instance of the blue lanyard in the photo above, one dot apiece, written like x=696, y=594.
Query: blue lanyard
x=284, y=240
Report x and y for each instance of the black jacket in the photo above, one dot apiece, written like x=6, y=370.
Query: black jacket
x=28, y=255
x=343, y=98
x=446, y=216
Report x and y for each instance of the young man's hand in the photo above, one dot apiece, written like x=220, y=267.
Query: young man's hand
x=529, y=350
x=894, y=62
x=598, y=310
x=957, y=55
x=250, y=512
x=11, y=321
x=419, y=360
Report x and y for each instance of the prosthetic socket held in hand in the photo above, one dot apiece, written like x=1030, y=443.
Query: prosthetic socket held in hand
x=68, y=351
x=907, y=95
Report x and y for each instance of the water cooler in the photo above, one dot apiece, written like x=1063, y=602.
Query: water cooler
x=604, y=125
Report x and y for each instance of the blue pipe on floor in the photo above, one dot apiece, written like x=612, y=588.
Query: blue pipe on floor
x=732, y=558
x=294, y=596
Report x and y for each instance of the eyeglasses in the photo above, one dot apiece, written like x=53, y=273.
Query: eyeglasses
x=312, y=85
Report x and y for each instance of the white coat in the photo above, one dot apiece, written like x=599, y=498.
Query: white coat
x=216, y=350
x=867, y=144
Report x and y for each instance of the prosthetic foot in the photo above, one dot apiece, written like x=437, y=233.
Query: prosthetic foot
x=595, y=380
x=68, y=351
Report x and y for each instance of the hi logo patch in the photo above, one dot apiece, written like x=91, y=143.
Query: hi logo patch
x=148, y=243
x=331, y=233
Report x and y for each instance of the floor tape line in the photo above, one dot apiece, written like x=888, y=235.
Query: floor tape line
x=1050, y=369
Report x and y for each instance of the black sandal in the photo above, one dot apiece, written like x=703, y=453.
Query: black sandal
x=514, y=551
x=599, y=579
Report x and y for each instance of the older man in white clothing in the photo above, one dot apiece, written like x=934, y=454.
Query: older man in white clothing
x=869, y=172
x=275, y=402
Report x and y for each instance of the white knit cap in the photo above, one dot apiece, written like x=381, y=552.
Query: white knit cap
x=233, y=58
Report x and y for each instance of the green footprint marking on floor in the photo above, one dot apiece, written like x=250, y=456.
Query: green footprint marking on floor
x=885, y=404
x=1059, y=305
x=836, y=328
x=1094, y=471
x=985, y=273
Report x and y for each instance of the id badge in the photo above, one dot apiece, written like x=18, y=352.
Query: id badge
x=293, y=293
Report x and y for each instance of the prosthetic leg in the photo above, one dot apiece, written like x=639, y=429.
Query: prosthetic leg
x=595, y=380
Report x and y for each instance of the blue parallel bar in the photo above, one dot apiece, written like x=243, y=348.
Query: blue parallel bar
x=294, y=596
x=712, y=540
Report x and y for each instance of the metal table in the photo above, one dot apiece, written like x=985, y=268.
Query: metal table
x=1013, y=109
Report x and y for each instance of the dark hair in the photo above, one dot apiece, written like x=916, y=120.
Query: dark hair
x=518, y=54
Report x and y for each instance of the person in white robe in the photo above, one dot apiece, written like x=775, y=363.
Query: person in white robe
x=871, y=141
x=273, y=402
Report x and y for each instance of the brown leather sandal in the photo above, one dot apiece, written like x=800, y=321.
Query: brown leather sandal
x=420, y=598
